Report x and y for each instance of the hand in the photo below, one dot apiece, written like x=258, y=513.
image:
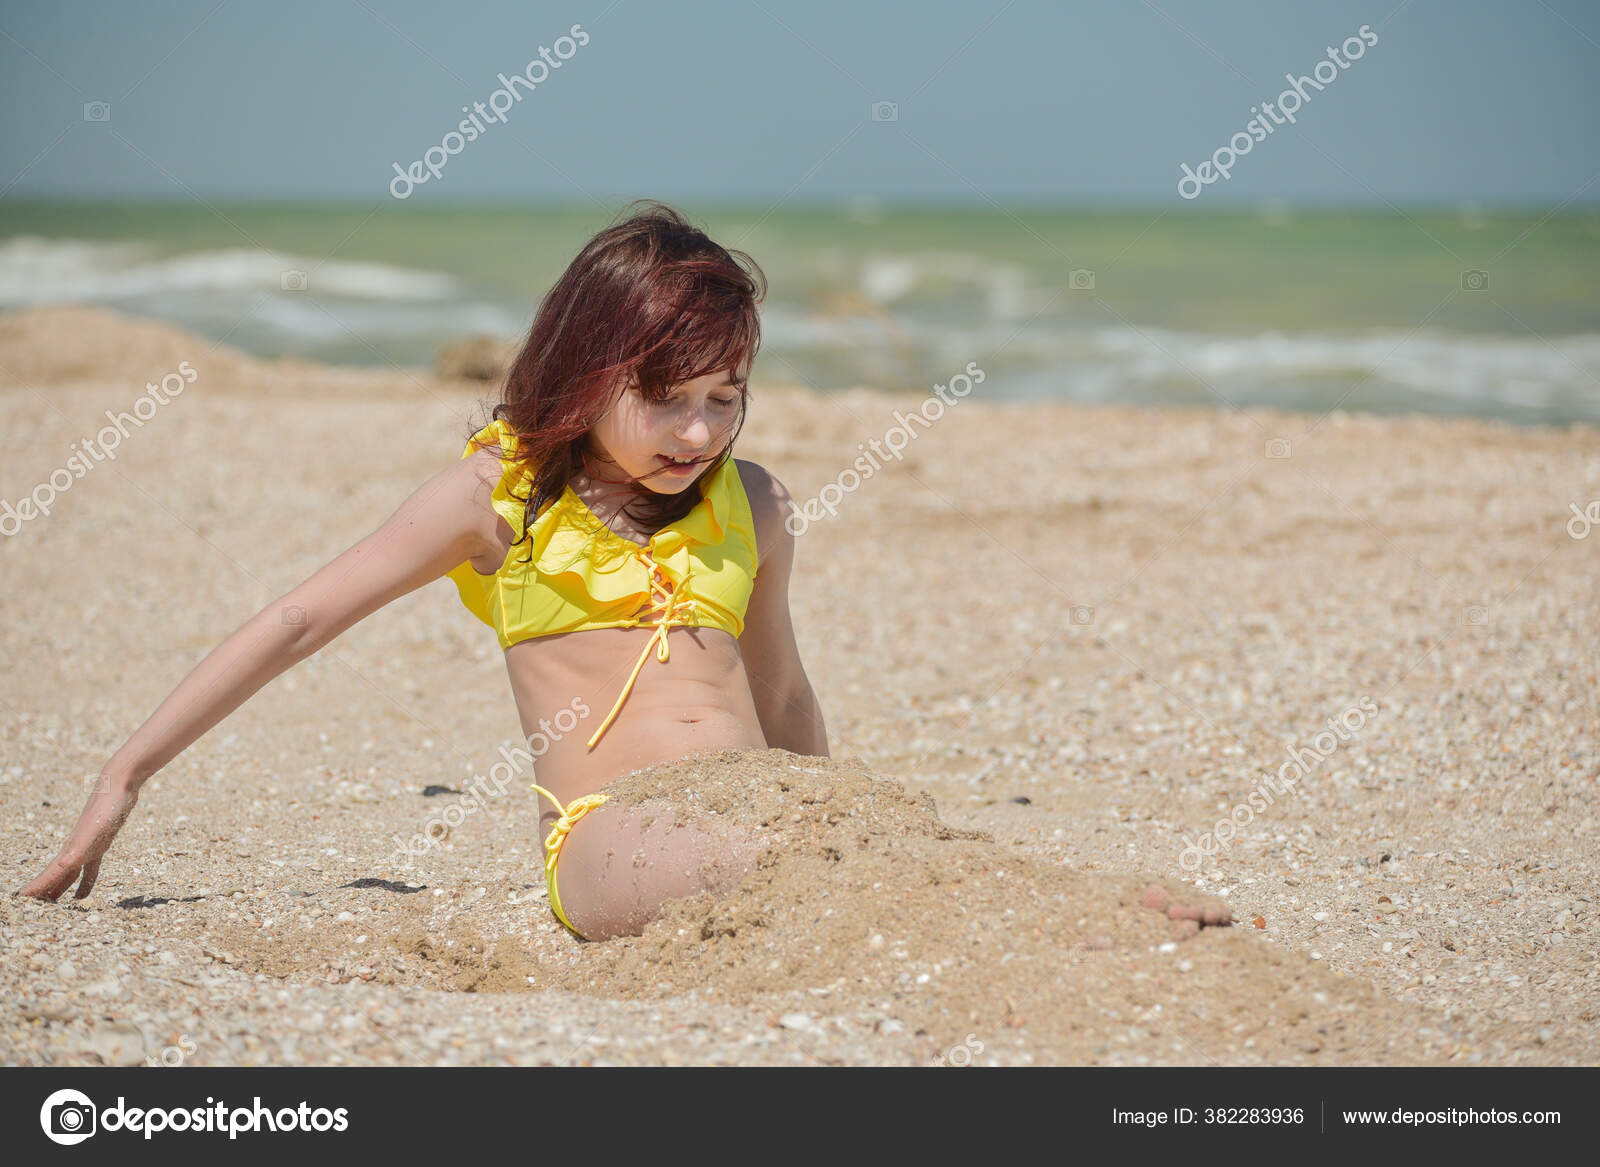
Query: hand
x=108, y=808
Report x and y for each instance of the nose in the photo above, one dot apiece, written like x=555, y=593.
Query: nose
x=695, y=430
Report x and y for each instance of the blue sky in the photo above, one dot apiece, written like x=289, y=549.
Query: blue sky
x=757, y=100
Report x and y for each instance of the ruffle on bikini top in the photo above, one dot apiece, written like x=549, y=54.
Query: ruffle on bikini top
x=585, y=575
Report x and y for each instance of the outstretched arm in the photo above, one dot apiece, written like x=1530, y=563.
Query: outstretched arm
x=446, y=521
x=790, y=715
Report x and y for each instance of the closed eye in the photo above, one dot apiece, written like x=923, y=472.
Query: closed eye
x=725, y=402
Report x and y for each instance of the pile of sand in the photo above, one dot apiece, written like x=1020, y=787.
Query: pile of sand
x=867, y=907
x=72, y=344
x=51, y=346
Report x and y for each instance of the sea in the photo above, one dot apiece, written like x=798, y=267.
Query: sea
x=1460, y=310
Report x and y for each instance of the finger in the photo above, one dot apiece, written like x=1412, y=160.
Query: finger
x=56, y=884
x=91, y=871
x=44, y=888
x=59, y=876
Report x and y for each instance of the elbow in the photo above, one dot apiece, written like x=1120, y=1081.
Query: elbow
x=794, y=722
x=296, y=630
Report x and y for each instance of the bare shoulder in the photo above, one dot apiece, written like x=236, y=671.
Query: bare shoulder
x=485, y=467
x=473, y=478
x=760, y=482
x=471, y=483
x=770, y=505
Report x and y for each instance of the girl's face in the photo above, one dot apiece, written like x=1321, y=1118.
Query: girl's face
x=638, y=437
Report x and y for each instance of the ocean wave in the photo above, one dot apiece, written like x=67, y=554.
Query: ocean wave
x=1152, y=363
x=1002, y=290
x=257, y=299
x=36, y=270
x=894, y=319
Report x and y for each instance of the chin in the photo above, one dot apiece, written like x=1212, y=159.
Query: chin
x=665, y=486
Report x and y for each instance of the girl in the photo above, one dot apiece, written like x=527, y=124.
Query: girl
x=598, y=520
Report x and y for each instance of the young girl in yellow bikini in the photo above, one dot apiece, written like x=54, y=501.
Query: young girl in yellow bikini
x=598, y=521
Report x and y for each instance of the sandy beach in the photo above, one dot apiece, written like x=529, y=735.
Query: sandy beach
x=1056, y=646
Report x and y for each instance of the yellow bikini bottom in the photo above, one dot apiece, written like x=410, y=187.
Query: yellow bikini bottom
x=570, y=815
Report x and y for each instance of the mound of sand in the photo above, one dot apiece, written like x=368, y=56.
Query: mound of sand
x=71, y=344
x=871, y=909
x=50, y=346
x=475, y=358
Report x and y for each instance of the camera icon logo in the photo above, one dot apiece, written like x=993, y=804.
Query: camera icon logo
x=96, y=111
x=1087, y=950
x=1474, y=281
x=68, y=1117
x=1082, y=614
x=1475, y=616
x=885, y=111
x=292, y=614
x=1278, y=448
x=1081, y=279
x=293, y=281
x=96, y=783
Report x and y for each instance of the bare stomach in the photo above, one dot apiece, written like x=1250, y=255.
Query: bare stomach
x=696, y=701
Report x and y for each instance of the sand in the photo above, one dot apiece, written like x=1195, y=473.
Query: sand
x=1055, y=645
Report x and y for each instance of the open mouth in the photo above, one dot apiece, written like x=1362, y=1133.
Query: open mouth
x=676, y=465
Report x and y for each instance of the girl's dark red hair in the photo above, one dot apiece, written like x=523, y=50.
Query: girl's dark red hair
x=651, y=301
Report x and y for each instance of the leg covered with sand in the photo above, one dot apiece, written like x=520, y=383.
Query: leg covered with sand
x=729, y=829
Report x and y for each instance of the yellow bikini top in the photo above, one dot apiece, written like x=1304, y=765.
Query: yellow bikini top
x=698, y=572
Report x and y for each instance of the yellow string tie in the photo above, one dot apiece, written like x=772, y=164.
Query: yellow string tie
x=570, y=815
x=660, y=593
